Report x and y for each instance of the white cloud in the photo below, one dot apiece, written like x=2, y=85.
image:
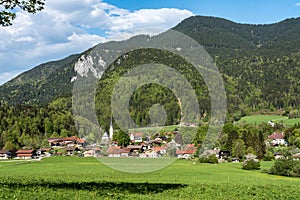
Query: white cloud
x=297, y=4
x=68, y=27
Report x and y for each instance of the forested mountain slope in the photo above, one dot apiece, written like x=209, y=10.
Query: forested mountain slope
x=259, y=63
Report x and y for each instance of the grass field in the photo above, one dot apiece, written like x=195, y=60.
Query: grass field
x=257, y=119
x=154, y=129
x=86, y=178
x=137, y=165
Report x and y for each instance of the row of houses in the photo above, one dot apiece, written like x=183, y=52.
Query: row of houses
x=144, y=151
x=149, y=148
x=21, y=154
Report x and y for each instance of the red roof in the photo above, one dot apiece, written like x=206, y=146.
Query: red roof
x=126, y=150
x=189, y=150
x=114, y=150
x=3, y=151
x=180, y=152
x=276, y=136
x=25, y=151
x=67, y=139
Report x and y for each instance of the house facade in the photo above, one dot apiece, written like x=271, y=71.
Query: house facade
x=26, y=154
x=277, y=139
x=4, y=154
x=186, y=153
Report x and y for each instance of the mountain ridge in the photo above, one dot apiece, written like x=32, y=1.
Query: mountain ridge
x=226, y=41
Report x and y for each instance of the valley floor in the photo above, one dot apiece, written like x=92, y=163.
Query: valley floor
x=87, y=178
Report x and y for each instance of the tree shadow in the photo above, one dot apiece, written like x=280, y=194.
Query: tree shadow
x=117, y=187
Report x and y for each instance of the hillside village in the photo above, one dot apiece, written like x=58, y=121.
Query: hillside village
x=141, y=146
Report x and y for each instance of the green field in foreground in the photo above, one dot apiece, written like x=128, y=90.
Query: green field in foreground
x=86, y=178
x=257, y=119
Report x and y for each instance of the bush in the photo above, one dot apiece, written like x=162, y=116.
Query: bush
x=251, y=164
x=268, y=156
x=210, y=159
x=286, y=167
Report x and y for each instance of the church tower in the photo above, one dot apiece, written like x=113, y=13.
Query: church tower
x=111, y=130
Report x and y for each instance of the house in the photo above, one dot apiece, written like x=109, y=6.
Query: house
x=186, y=153
x=44, y=152
x=277, y=139
x=136, y=137
x=89, y=153
x=125, y=152
x=67, y=141
x=114, y=151
x=296, y=156
x=271, y=123
x=160, y=150
x=70, y=151
x=278, y=155
x=26, y=154
x=150, y=153
x=95, y=152
x=223, y=154
x=235, y=160
x=118, y=151
x=4, y=154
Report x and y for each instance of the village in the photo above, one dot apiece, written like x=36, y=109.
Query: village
x=141, y=146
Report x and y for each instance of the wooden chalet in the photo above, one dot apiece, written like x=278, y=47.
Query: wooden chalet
x=26, y=154
x=67, y=141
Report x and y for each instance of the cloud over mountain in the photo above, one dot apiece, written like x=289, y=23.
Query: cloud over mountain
x=67, y=27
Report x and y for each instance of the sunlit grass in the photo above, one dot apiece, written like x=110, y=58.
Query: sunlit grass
x=87, y=178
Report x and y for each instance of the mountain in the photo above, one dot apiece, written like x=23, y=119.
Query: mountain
x=225, y=38
x=259, y=64
x=41, y=84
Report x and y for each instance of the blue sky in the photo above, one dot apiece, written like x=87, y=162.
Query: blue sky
x=72, y=26
x=251, y=11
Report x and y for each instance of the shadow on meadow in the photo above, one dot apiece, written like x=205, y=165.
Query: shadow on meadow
x=118, y=187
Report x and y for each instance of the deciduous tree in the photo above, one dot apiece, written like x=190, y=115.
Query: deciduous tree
x=8, y=9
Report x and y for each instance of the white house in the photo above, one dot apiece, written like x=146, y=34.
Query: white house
x=4, y=154
x=277, y=139
x=136, y=137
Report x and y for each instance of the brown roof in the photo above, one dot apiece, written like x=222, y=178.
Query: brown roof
x=126, y=150
x=180, y=152
x=67, y=139
x=276, y=136
x=25, y=151
x=114, y=150
x=3, y=151
x=189, y=150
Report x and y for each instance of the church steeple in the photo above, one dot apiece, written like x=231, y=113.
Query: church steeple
x=111, y=130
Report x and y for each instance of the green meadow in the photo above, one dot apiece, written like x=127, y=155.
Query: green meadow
x=154, y=129
x=257, y=119
x=87, y=178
